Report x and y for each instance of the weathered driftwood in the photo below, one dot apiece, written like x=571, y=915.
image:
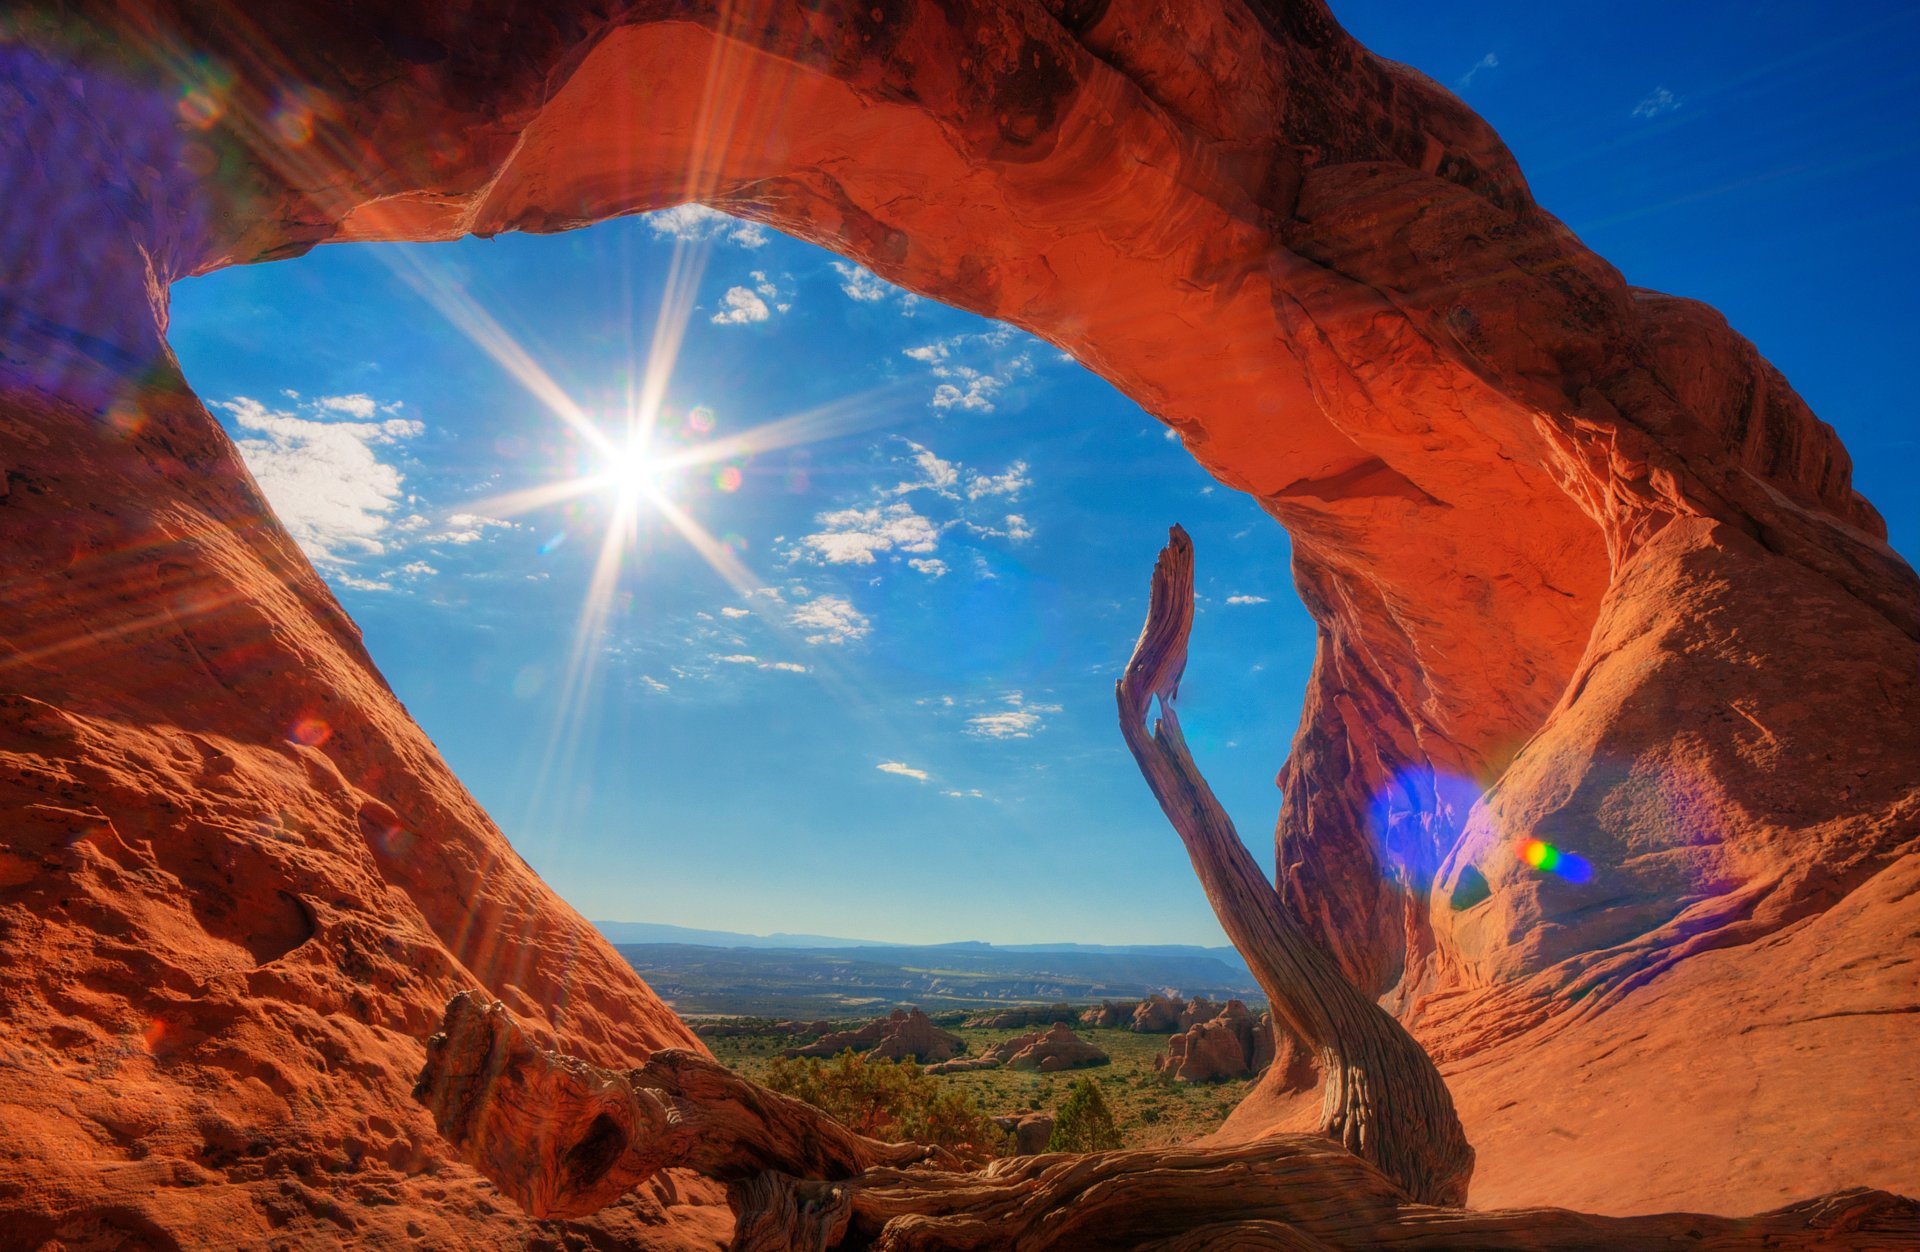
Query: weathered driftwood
x=1293, y=1192
x=564, y=1138
x=1382, y=1097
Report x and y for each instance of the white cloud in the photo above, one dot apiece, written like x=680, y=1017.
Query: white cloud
x=741, y=306
x=932, y=567
x=971, y=793
x=358, y=405
x=468, y=528
x=905, y=771
x=696, y=223
x=1017, y=529
x=652, y=683
x=1487, y=62
x=730, y=611
x=1246, y=599
x=936, y=475
x=861, y=283
x=1019, y=720
x=326, y=479
x=1009, y=484
x=1012, y=724
x=977, y=398
x=417, y=569
x=833, y=620
x=736, y=659
x=852, y=536
x=788, y=667
x=360, y=584
x=975, y=368
x=1658, y=101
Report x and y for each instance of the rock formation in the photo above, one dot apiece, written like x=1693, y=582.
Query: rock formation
x=1110, y=1014
x=1030, y=1131
x=1047, y=1051
x=1161, y=1014
x=237, y=881
x=904, y=1034
x=1231, y=1044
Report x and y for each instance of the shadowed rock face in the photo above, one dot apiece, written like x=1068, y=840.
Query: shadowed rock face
x=1586, y=571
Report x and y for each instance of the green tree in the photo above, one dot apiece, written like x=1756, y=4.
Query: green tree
x=1084, y=1122
x=892, y=1101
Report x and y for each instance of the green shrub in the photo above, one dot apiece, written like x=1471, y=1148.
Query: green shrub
x=892, y=1101
x=1084, y=1122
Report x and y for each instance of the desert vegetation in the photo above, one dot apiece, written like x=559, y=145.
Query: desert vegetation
x=1149, y=1109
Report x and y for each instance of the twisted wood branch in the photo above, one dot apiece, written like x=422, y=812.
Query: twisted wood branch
x=1381, y=1098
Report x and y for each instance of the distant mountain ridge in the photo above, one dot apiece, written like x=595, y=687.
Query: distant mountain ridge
x=661, y=933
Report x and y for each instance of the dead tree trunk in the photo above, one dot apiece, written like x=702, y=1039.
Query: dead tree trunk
x=1382, y=1097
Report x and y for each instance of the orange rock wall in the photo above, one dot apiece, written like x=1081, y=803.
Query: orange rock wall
x=1570, y=542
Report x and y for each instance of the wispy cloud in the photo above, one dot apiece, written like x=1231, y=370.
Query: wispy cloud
x=971, y=793
x=852, y=536
x=731, y=611
x=1487, y=62
x=468, y=528
x=1246, y=599
x=902, y=769
x=327, y=479
x=1657, y=101
x=696, y=223
x=737, y=658
x=937, y=475
x=1009, y=484
x=863, y=286
x=974, y=369
x=1019, y=719
x=832, y=619
x=857, y=535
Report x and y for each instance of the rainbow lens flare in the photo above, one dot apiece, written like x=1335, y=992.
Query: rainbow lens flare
x=1548, y=859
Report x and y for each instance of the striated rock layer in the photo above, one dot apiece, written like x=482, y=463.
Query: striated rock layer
x=1586, y=572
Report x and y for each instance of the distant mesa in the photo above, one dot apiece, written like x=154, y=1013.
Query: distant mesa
x=1024, y=1015
x=904, y=1034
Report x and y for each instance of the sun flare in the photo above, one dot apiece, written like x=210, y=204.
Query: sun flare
x=634, y=472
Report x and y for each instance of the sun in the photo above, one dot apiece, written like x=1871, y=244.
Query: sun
x=634, y=472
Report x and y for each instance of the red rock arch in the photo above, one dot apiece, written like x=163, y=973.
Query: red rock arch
x=1563, y=538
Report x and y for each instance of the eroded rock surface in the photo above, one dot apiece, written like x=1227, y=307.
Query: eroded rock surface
x=1231, y=1044
x=1648, y=620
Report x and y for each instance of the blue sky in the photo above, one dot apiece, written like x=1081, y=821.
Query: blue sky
x=900, y=724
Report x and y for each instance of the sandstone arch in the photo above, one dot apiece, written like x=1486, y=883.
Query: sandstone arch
x=1319, y=267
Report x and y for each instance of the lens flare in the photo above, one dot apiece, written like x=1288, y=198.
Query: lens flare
x=311, y=731
x=1548, y=859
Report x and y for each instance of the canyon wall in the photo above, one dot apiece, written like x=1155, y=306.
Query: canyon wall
x=1586, y=571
